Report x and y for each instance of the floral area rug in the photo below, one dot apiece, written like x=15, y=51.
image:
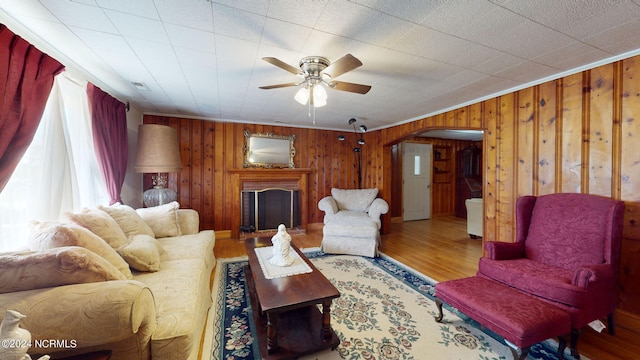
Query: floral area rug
x=385, y=311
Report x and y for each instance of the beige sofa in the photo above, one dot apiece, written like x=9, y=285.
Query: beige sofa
x=77, y=299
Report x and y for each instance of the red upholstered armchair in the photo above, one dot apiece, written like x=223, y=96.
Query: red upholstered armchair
x=567, y=252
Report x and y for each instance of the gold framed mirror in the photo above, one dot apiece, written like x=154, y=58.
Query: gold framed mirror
x=268, y=150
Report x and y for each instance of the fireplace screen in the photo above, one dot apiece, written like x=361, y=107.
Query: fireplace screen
x=267, y=208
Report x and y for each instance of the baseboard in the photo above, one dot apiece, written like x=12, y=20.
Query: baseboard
x=223, y=234
x=315, y=226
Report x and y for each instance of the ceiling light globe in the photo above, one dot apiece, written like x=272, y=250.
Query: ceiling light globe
x=319, y=96
x=302, y=96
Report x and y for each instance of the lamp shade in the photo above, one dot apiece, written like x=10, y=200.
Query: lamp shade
x=319, y=96
x=158, y=150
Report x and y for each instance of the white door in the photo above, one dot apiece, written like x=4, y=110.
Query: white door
x=416, y=181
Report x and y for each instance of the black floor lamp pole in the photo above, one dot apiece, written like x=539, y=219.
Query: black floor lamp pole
x=356, y=149
x=358, y=153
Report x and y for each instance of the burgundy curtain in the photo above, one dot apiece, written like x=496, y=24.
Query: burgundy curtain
x=109, y=123
x=26, y=78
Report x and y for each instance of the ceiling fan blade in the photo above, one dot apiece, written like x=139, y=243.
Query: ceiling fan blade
x=342, y=65
x=351, y=87
x=283, y=65
x=278, y=86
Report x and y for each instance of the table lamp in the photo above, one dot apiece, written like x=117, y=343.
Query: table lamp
x=158, y=152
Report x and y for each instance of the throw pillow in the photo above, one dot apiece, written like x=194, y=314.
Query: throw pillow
x=101, y=224
x=162, y=219
x=142, y=253
x=54, y=267
x=354, y=199
x=49, y=235
x=128, y=219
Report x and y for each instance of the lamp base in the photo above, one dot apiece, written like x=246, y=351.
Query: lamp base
x=159, y=196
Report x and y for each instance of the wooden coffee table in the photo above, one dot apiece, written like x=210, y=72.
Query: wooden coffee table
x=285, y=311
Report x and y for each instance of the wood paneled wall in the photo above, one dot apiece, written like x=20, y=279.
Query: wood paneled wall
x=211, y=149
x=580, y=133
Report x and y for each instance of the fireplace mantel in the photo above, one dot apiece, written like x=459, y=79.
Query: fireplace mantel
x=270, y=172
x=299, y=177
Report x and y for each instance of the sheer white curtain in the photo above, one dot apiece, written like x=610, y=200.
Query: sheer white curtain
x=59, y=171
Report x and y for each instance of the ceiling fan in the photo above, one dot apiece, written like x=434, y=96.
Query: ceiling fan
x=318, y=70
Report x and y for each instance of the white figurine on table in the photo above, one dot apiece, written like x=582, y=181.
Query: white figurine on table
x=15, y=340
x=281, y=247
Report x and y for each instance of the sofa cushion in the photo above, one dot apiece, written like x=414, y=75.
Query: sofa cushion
x=49, y=235
x=182, y=295
x=54, y=267
x=354, y=199
x=142, y=253
x=101, y=224
x=351, y=227
x=193, y=246
x=163, y=219
x=128, y=219
x=549, y=282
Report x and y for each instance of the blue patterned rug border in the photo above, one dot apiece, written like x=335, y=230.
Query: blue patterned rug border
x=236, y=304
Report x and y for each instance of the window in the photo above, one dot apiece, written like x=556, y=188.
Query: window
x=58, y=173
x=416, y=165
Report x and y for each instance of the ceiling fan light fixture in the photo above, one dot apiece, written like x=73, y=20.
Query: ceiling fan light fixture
x=319, y=96
x=302, y=96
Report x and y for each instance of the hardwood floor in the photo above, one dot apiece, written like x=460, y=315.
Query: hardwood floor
x=441, y=249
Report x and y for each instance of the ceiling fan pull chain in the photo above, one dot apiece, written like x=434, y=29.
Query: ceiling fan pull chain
x=314, y=114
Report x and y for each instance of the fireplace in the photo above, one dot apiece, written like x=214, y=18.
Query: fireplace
x=265, y=209
x=247, y=181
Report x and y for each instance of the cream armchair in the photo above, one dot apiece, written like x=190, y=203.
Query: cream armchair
x=352, y=221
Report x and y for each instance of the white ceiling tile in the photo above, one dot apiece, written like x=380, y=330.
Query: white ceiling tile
x=284, y=35
x=236, y=23
x=497, y=63
x=344, y=18
x=328, y=45
x=165, y=69
x=418, y=41
x=624, y=13
x=571, y=56
x=409, y=10
x=574, y=17
x=453, y=15
x=465, y=78
x=526, y=72
x=29, y=9
x=383, y=30
x=191, y=38
x=100, y=40
x=304, y=13
x=619, y=39
x=138, y=27
x=258, y=7
x=195, y=14
x=79, y=15
x=143, y=8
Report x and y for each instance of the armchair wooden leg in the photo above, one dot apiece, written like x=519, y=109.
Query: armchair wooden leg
x=575, y=336
x=611, y=321
x=440, y=314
